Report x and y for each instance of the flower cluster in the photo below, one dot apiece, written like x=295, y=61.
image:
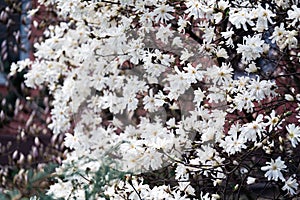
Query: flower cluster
x=205, y=91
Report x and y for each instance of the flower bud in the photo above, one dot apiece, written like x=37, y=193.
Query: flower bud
x=215, y=196
x=217, y=182
x=281, y=147
x=37, y=141
x=236, y=187
x=289, y=97
x=35, y=152
x=21, y=159
x=29, y=158
x=266, y=48
x=298, y=97
x=250, y=180
x=280, y=139
x=15, y=154
x=22, y=135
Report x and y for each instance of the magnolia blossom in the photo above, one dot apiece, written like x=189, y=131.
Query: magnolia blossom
x=284, y=38
x=260, y=88
x=264, y=16
x=291, y=185
x=294, y=15
x=251, y=47
x=293, y=134
x=254, y=130
x=195, y=8
x=228, y=36
x=64, y=188
x=233, y=143
x=274, y=169
x=273, y=121
x=162, y=13
x=240, y=18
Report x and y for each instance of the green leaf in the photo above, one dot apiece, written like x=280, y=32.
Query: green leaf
x=29, y=175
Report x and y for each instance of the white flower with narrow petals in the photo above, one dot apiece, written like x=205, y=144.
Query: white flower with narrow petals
x=291, y=185
x=233, y=142
x=195, y=8
x=149, y=102
x=251, y=48
x=164, y=33
x=274, y=169
x=254, y=130
x=264, y=16
x=294, y=15
x=193, y=73
x=228, y=36
x=240, y=18
x=162, y=13
x=293, y=134
x=273, y=121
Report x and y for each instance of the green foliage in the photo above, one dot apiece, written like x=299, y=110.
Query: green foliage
x=103, y=177
x=46, y=173
x=7, y=195
x=35, y=183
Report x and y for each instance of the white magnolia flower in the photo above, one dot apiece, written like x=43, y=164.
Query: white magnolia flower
x=221, y=53
x=284, y=38
x=182, y=23
x=273, y=120
x=274, y=168
x=164, y=33
x=233, y=142
x=72, y=141
x=293, y=134
x=264, y=16
x=254, y=130
x=195, y=8
x=240, y=18
x=162, y=13
x=251, y=48
x=228, y=36
x=149, y=102
x=193, y=74
x=60, y=189
x=294, y=15
x=260, y=89
x=223, y=4
x=209, y=34
x=243, y=101
x=278, y=33
x=291, y=185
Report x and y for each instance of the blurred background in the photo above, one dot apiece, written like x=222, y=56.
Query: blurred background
x=29, y=153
